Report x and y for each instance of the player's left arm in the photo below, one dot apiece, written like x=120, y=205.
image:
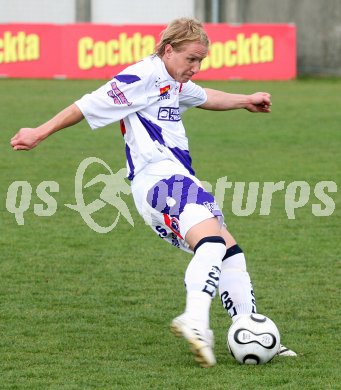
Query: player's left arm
x=223, y=101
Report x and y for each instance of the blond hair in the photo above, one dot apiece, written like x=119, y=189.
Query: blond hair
x=180, y=32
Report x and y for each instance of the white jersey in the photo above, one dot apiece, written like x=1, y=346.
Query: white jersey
x=149, y=103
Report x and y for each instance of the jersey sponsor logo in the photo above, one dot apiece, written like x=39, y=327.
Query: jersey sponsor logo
x=171, y=114
x=164, y=90
x=164, y=93
x=164, y=96
x=117, y=95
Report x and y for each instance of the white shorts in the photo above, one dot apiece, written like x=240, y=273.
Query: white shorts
x=171, y=201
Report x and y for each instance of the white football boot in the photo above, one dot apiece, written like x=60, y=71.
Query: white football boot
x=200, y=340
x=284, y=351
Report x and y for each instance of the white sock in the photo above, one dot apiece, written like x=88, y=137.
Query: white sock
x=235, y=288
x=202, y=278
x=198, y=306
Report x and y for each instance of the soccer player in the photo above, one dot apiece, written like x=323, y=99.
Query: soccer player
x=148, y=98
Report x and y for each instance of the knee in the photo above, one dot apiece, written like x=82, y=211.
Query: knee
x=234, y=259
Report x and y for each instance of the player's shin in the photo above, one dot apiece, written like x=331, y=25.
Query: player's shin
x=202, y=278
x=235, y=288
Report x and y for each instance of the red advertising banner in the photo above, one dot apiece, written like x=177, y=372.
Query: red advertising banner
x=83, y=51
x=30, y=50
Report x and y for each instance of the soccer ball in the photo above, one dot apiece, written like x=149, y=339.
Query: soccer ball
x=253, y=339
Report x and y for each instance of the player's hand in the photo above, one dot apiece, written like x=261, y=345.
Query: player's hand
x=25, y=139
x=259, y=102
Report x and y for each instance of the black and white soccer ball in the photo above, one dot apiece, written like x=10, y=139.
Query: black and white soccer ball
x=253, y=339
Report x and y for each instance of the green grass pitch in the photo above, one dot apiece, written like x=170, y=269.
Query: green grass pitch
x=83, y=310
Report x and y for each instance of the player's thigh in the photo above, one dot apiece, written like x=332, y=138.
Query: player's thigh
x=206, y=228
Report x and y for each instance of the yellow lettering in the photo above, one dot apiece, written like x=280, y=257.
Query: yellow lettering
x=20, y=47
x=32, y=47
x=205, y=64
x=243, y=54
x=230, y=53
x=254, y=43
x=126, y=55
x=148, y=45
x=112, y=52
x=99, y=54
x=266, y=53
x=242, y=51
x=1, y=51
x=217, y=53
x=84, y=59
x=10, y=45
x=137, y=43
x=122, y=51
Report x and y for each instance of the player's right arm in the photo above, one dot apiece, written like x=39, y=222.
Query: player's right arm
x=28, y=138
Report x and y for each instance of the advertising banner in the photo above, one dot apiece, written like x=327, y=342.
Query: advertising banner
x=30, y=50
x=84, y=51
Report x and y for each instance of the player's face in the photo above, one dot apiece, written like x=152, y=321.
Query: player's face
x=183, y=65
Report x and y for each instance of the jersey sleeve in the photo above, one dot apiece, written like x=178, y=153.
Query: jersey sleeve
x=118, y=98
x=191, y=95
